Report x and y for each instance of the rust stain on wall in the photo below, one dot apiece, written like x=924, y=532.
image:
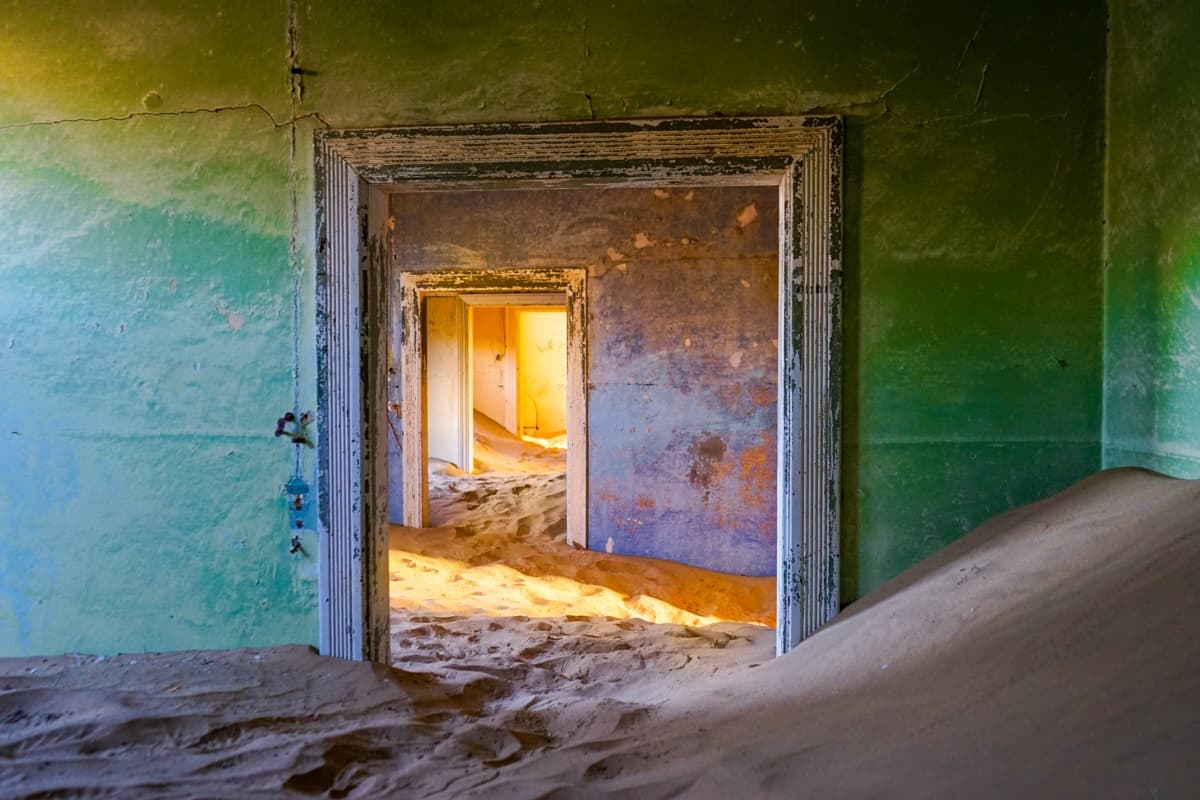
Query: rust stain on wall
x=762, y=396
x=681, y=360
x=706, y=459
x=756, y=468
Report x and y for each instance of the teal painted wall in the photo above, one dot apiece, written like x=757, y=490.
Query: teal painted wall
x=140, y=500
x=146, y=333
x=1152, y=383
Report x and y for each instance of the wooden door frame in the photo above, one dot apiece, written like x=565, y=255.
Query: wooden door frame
x=462, y=448
x=415, y=287
x=355, y=170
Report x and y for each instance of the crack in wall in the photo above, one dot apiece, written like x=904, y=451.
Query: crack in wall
x=973, y=119
x=295, y=84
x=983, y=20
x=883, y=98
x=1041, y=202
x=877, y=103
x=982, y=81
x=259, y=107
x=587, y=54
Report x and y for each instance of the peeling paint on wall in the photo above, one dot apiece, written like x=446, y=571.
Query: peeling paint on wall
x=1152, y=279
x=152, y=144
x=143, y=185
x=681, y=453
x=234, y=320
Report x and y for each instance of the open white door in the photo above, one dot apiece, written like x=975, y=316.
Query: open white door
x=448, y=380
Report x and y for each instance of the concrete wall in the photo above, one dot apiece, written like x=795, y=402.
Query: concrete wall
x=147, y=177
x=1152, y=289
x=681, y=342
x=682, y=348
x=542, y=372
x=489, y=359
x=146, y=297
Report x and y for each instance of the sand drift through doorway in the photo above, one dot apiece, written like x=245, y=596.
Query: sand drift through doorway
x=356, y=171
x=505, y=287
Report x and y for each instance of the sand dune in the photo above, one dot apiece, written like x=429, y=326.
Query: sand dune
x=1053, y=652
x=469, y=697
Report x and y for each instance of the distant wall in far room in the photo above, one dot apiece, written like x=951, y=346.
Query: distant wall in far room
x=681, y=342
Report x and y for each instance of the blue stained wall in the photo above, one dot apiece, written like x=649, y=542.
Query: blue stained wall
x=682, y=364
x=681, y=341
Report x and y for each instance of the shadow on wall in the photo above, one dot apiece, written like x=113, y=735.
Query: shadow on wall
x=852, y=171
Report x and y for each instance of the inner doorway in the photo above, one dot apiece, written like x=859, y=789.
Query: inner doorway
x=681, y=403
x=532, y=395
x=496, y=388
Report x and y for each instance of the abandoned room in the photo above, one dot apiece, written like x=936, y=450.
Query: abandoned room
x=574, y=399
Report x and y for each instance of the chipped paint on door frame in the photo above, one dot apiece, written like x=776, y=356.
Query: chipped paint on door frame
x=355, y=170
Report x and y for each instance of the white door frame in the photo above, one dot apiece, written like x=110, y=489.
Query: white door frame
x=355, y=170
x=492, y=287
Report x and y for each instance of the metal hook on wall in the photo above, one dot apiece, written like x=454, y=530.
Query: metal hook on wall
x=296, y=429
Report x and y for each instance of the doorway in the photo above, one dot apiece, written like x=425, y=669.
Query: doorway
x=453, y=318
x=493, y=361
x=355, y=173
x=497, y=399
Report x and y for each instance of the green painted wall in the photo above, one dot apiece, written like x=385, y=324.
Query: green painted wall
x=1152, y=383
x=140, y=500
x=146, y=332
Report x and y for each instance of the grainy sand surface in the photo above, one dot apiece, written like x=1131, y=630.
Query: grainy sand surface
x=1053, y=652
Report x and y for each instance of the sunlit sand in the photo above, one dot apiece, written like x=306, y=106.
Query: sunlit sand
x=1050, y=653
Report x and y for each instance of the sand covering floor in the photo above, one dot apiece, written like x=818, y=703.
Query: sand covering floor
x=1053, y=652
x=501, y=550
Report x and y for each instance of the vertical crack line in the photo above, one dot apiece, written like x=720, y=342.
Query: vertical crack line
x=983, y=20
x=1041, y=201
x=295, y=85
x=982, y=80
x=587, y=54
